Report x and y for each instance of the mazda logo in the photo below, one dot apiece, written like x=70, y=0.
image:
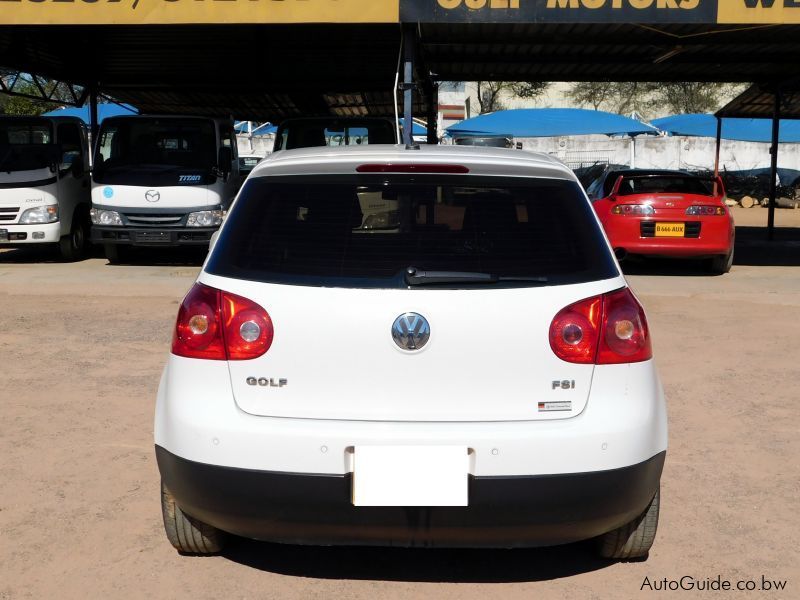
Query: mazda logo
x=410, y=331
x=152, y=196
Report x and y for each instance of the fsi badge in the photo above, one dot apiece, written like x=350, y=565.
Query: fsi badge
x=759, y=11
x=560, y=11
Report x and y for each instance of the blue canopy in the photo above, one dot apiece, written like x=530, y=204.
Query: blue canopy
x=104, y=111
x=743, y=130
x=549, y=122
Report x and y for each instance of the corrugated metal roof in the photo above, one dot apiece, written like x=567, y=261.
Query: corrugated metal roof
x=269, y=72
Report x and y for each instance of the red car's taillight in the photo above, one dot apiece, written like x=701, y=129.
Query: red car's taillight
x=218, y=325
x=606, y=329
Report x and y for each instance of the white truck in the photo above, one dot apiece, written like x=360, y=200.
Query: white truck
x=44, y=183
x=161, y=181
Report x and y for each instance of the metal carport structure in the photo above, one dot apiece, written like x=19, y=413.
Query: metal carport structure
x=266, y=60
x=776, y=101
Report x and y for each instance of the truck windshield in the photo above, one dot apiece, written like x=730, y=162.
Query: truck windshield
x=25, y=145
x=155, y=151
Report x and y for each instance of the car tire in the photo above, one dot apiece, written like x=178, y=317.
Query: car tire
x=115, y=253
x=73, y=246
x=634, y=539
x=187, y=534
x=719, y=265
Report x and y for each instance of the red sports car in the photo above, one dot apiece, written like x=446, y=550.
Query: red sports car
x=666, y=213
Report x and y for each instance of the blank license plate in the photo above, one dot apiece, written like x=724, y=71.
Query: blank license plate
x=152, y=236
x=410, y=476
x=670, y=229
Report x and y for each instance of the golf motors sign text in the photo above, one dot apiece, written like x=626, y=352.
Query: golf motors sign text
x=601, y=11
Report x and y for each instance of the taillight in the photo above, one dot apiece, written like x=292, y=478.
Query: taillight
x=573, y=332
x=705, y=210
x=625, y=337
x=218, y=325
x=634, y=210
x=606, y=329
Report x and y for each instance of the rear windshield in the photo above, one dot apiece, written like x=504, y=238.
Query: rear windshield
x=366, y=231
x=665, y=184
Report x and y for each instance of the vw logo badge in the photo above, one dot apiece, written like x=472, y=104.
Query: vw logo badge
x=410, y=331
x=152, y=196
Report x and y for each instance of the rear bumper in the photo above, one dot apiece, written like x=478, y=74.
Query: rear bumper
x=154, y=237
x=715, y=238
x=505, y=511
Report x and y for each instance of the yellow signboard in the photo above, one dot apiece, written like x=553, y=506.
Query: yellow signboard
x=758, y=11
x=144, y=12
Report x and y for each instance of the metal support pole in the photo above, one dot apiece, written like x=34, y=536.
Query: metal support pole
x=773, y=171
x=433, y=114
x=93, y=119
x=716, y=156
x=719, y=141
x=409, y=49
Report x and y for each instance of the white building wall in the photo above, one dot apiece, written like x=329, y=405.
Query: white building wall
x=690, y=153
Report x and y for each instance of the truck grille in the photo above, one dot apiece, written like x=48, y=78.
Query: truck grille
x=8, y=213
x=155, y=220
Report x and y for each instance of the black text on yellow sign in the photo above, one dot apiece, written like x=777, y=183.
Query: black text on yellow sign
x=134, y=12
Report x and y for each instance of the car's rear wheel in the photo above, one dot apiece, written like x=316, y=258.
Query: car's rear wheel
x=721, y=264
x=634, y=539
x=187, y=534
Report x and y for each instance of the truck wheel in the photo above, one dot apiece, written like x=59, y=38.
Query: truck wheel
x=116, y=253
x=634, y=539
x=719, y=265
x=185, y=533
x=73, y=246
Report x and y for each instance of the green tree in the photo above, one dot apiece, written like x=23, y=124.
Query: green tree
x=650, y=98
x=22, y=106
x=490, y=93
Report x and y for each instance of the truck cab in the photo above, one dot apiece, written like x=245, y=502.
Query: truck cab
x=161, y=181
x=44, y=183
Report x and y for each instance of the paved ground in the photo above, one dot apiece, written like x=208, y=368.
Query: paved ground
x=81, y=349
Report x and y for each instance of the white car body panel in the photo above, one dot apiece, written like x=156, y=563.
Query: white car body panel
x=623, y=424
x=488, y=357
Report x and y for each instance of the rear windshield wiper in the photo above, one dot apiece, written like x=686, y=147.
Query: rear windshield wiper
x=415, y=276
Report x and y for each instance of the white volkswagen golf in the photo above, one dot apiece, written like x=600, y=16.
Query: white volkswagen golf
x=411, y=347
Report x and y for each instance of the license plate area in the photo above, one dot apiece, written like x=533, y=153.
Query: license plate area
x=410, y=476
x=152, y=237
x=670, y=229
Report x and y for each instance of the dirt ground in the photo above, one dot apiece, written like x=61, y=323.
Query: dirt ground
x=81, y=349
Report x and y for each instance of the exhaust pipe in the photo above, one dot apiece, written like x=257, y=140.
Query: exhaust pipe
x=620, y=253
